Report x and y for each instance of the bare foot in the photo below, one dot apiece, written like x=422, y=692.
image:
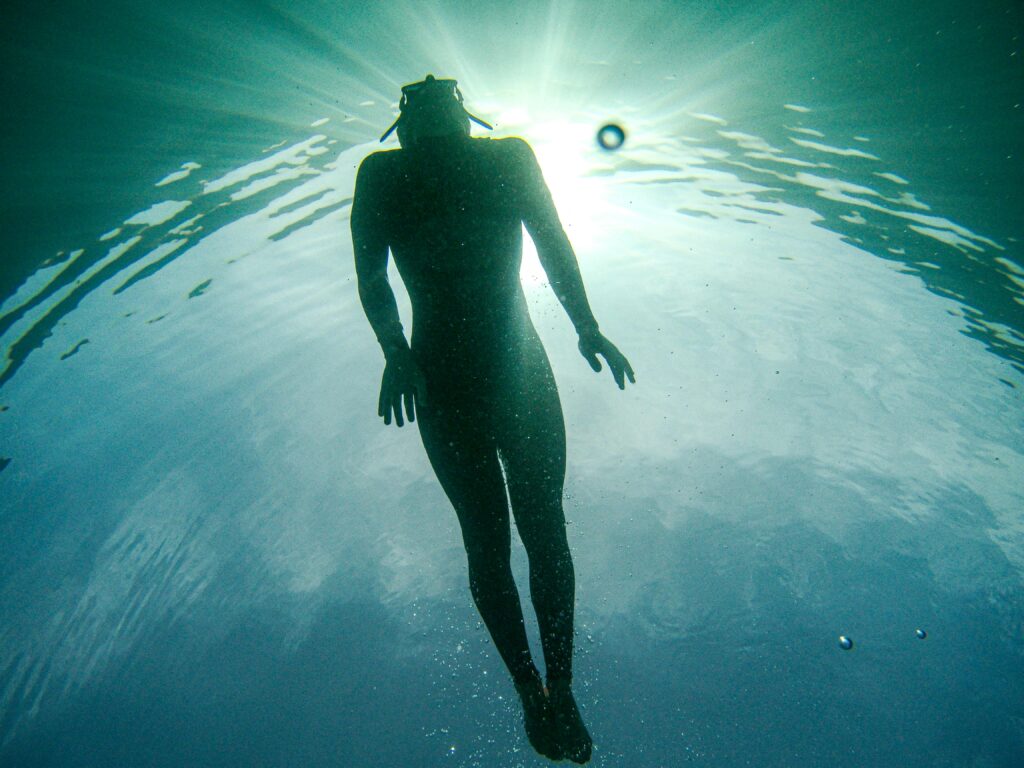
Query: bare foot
x=572, y=734
x=538, y=719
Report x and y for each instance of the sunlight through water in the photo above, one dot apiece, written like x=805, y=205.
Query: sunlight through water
x=799, y=538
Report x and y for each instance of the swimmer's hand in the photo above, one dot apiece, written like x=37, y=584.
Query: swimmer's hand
x=592, y=344
x=402, y=380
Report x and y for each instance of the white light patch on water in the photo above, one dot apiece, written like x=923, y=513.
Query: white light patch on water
x=186, y=227
x=36, y=283
x=892, y=177
x=1011, y=266
x=749, y=141
x=709, y=118
x=158, y=213
x=183, y=173
x=947, y=237
x=774, y=158
x=63, y=335
x=908, y=199
x=297, y=154
x=847, y=192
x=264, y=183
x=806, y=131
x=759, y=149
x=847, y=152
x=163, y=250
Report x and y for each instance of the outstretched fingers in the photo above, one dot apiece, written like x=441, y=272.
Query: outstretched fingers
x=410, y=407
x=401, y=383
x=396, y=406
x=617, y=369
x=415, y=394
x=385, y=403
x=589, y=352
x=392, y=402
x=627, y=369
x=619, y=374
x=619, y=365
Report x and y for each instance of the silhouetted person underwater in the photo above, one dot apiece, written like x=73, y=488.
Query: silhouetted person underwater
x=476, y=378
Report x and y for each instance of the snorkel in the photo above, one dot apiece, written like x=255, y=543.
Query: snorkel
x=431, y=107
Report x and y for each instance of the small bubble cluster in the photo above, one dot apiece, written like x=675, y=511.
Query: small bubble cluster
x=846, y=643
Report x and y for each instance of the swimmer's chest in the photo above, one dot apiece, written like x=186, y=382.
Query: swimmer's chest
x=455, y=218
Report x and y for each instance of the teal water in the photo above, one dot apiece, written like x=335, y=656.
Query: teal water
x=809, y=247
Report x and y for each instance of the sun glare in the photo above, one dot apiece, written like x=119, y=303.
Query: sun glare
x=567, y=154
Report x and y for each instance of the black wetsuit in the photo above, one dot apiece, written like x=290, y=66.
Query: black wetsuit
x=451, y=213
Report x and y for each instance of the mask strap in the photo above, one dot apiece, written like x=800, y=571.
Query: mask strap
x=478, y=121
x=390, y=130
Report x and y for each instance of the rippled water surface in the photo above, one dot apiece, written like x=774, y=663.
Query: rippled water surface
x=808, y=245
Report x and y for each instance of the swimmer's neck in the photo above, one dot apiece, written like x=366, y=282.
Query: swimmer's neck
x=439, y=144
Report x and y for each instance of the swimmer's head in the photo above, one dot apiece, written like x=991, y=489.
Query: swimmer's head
x=428, y=108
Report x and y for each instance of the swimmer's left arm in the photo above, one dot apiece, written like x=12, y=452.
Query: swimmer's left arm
x=562, y=268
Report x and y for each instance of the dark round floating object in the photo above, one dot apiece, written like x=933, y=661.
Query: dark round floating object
x=611, y=136
x=845, y=643
x=921, y=634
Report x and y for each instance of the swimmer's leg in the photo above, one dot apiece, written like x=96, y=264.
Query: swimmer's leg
x=465, y=461
x=532, y=448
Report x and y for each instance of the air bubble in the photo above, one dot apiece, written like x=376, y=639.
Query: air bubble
x=611, y=136
x=921, y=634
x=845, y=643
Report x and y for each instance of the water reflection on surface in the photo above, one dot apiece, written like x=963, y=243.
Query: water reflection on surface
x=205, y=516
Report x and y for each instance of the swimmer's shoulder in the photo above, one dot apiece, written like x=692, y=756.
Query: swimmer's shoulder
x=511, y=151
x=508, y=145
x=379, y=162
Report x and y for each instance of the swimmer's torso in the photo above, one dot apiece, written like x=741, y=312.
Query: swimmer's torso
x=453, y=221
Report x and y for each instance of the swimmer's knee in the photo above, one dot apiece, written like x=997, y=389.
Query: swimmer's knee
x=546, y=544
x=487, y=560
x=488, y=575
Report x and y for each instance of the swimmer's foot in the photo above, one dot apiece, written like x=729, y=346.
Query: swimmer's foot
x=572, y=734
x=538, y=719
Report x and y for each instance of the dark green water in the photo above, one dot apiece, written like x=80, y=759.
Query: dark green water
x=809, y=246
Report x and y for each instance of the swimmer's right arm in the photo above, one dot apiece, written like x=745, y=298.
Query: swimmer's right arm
x=402, y=378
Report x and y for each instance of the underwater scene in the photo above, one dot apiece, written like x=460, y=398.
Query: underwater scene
x=796, y=533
